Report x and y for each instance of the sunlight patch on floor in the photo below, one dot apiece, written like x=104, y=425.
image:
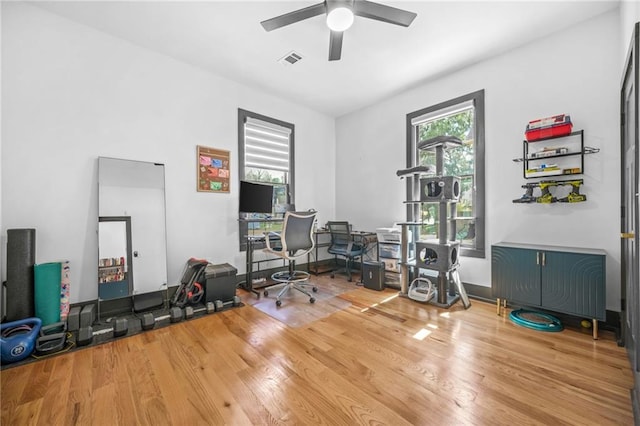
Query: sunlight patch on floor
x=379, y=303
x=423, y=333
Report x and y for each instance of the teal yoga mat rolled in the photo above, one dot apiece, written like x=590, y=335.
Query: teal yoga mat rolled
x=47, y=291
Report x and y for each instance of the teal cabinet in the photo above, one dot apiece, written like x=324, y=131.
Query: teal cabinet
x=515, y=275
x=566, y=280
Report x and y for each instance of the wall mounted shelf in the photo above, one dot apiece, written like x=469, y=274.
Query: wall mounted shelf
x=535, y=164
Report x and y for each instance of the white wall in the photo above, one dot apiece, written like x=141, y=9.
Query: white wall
x=629, y=15
x=576, y=71
x=72, y=94
x=3, y=240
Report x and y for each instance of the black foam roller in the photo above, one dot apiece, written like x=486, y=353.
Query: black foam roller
x=21, y=256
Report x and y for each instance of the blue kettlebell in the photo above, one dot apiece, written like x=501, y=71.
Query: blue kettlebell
x=18, y=339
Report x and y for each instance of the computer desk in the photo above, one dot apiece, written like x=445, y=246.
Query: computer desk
x=367, y=238
x=257, y=242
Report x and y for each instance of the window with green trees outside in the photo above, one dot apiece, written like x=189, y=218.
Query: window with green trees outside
x=463, y=118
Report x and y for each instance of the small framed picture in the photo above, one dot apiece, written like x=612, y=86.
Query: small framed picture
x=213, y=170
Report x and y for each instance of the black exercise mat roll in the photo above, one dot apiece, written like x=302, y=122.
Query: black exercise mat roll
x=21, y=256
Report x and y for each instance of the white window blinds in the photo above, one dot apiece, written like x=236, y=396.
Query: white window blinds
x=441, y=113
x=266, y=145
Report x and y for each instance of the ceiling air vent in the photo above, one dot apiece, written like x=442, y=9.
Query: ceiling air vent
x=290, y=58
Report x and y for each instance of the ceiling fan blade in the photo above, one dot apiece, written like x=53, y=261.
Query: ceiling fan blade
x=380, y=12
x=295, y=16
x=335, y=45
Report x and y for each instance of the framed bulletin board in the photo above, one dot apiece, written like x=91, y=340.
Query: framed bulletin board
x=213, y=170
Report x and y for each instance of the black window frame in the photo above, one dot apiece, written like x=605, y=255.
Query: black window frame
x=477, y=99
x=243, y=114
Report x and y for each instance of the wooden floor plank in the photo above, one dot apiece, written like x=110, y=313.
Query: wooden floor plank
x=54, y=401
x=383, y=359
x=26, y=414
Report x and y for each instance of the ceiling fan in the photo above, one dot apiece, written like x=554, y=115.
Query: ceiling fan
x=340, y=16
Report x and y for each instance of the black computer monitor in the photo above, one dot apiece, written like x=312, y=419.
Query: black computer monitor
x=255, y=197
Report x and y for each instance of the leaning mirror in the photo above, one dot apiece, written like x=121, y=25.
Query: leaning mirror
x=132, y=248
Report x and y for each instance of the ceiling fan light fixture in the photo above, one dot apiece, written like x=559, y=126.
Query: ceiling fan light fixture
x=340, y=19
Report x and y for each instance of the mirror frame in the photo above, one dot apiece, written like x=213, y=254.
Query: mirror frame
x=150, y=297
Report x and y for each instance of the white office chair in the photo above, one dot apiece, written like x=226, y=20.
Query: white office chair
x=295, y=240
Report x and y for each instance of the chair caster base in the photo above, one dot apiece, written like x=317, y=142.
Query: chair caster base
x=266, y=293
x=312, y=300
x=278, y=303
x=315, y=289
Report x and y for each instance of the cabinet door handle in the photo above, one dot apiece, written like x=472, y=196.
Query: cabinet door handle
x=537, y=258
x=544, y=258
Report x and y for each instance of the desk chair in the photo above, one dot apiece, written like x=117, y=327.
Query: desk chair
x=295, y=240
x=343, y=244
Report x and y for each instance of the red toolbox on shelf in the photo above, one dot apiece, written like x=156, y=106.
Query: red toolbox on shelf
x=557, y=125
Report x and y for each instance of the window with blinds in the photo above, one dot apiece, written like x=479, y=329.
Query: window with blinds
x=266, y=154
x=266, y=145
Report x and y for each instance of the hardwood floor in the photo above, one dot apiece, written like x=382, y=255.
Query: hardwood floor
x=383, y=360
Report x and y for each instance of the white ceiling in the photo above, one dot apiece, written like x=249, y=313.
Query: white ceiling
x=378, y=59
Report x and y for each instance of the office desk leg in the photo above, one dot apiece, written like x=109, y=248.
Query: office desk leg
x=249, y=268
